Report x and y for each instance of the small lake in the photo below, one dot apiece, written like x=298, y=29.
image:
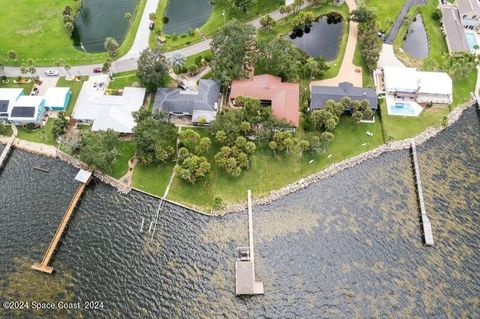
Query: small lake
x=323, y=38
x=100, y=19
x=416, y=41
x=184, y=15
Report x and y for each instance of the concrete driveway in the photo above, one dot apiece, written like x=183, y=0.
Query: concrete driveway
x=47, y=82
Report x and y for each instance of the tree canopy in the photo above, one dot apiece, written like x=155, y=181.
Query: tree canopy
x=100, y=150
x=234, y=50
x=153, y=69
x=154, y=138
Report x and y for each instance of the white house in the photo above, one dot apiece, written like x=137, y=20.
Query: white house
x=107, y=111
x=27, y=109
x=8, y=96
x=57, y=98
x=424, y=87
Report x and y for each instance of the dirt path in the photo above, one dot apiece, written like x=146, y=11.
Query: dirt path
x=348, y=72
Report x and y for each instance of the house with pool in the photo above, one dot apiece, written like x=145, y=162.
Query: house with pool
x=460, y=24
x=407, y=91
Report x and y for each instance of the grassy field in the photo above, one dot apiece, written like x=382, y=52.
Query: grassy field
x=268, y=173
x=386, y=11
x=42, y=135
x=27, y=87
x=399, y=128
x=152, y=179
x=123, y=79
x=216, y=20
x=75, y=86
x=34, y=29
x=120, y=168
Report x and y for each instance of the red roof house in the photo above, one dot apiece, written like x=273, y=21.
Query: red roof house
x=282, y=96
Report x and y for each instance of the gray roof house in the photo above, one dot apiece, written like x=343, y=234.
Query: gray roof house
x=320, y=94
x=469, y=12
x=453, y=29
x=198, y=104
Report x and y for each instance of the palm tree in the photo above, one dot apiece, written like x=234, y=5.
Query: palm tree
x=67, y=68
x=12, y=55
x=273, y=146
x=178, y=60
x=24, y=70
x=58, y=64
x=111, y=46
x=326, y=138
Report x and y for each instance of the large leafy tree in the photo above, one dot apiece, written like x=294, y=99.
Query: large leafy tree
x=234, y=50
x=241, y=4
x=100, y=150
x=279, y=57
x=194, y=168
x=154, y=138
x=152, y=69
x=236, y=158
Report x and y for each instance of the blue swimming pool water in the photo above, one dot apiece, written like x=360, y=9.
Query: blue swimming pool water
x=471, y=39
x=401, y=109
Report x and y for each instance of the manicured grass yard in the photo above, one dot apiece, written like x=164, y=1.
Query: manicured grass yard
x=399, y=128
x=268, y=173
x=127, y=151
x=34, y=29
x=152, y=179
x=75, y=86
x=42, y=135
x=27, y=87
x=123, y=79
x=386, y=11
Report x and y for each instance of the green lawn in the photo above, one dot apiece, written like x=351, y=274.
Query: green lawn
x=120, y=168
x=152, y=179
x=268, y=173
x=367, y=77
x=7, y=128
x=75, y=86
x=42, y=135
x=123, y=79
x=399, y=128
x=34, y=29
x=386, y=11
x=27, y=87
x=216, y=20
x=284, y=26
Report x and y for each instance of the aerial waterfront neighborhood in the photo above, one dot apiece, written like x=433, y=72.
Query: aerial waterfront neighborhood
x=197, y=103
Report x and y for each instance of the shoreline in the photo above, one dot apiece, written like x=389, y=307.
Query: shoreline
x=338, y=167
x=335, y=168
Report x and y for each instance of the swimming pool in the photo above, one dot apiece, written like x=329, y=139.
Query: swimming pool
x=471, y=39
x=401, y=109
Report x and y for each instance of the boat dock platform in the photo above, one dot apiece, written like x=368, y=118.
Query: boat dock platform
x=6, y=150
x=427, y=226
x=245, y=281
x=84, y=178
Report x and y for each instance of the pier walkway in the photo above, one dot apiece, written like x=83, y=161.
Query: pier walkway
x=246, y=284
x=84, y=178
x=427, y=226
x=8, y=147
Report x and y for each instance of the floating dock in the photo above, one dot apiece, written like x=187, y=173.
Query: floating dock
x=84, y=178
x=246, y=284
x=427, y=226
x=6, y=151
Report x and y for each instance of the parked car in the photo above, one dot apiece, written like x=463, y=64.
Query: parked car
x=151, y=25
x=97, y=70
x=51, y=73
x=34, y=92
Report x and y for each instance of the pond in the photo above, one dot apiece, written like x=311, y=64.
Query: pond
x=415, y=41
x=183, y=15
x=322, y=38
x=99, y=19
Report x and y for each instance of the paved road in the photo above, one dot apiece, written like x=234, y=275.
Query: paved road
x=129, y=61
x=398, y=23
x=348, y=72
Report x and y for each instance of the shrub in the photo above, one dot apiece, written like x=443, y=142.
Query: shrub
x=217, y=202
x=165, y=20
x=191, y=32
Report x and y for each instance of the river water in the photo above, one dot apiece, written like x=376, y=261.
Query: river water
x=349, y=246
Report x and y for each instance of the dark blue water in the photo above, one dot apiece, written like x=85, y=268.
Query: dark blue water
x=99, y=19
x=416, y=41
x=349, y=246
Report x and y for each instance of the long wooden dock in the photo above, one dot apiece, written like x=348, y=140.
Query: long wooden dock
x=246, y=284
x=6, y=150
x=84, y=178
x=427, y=226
